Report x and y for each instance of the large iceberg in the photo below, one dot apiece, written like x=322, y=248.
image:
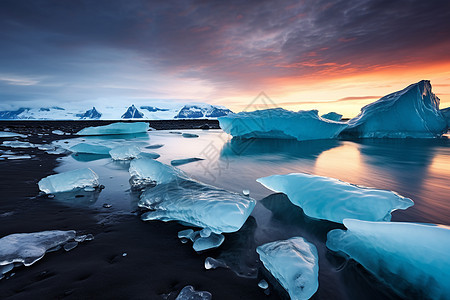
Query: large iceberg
x=282, y=124
x=68, y=181
x=90, y=149
x=335, y=200
x=116, y=128
x=411, y=258
x=27, y=248
x=176, y=197
x=411, y=112
x=294, y=263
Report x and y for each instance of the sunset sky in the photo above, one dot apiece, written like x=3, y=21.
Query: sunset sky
x=329, y=55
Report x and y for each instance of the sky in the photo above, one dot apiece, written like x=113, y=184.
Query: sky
x=326, y=55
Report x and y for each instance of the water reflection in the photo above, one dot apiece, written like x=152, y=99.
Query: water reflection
x=78, y=197
x=86, y=157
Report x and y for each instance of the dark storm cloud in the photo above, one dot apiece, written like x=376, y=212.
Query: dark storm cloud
x=231, y=44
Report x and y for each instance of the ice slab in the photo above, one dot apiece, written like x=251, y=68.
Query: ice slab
x=125, y=152
x=149, y=169
x=58, y=132
x=188, y=293
x=332, y=116
x=183, y=161
x=68, y=181
x=334, y=200
x=27, y=248
x=90, y=149
x=8, y=134
x=17, y=144
x=176, y=197
x=116, y=128
x=294, y=263
x=410, y=113
x=282, y=124
x=411, y=258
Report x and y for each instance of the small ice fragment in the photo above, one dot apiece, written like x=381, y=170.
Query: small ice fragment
x=124, y=254
x=188, y=293
x=125, y=152
x=205, y=243
x=68, y=181
x=14, y=157
x=116, y=128
x=89, y=237
x=212, y=263
x=205, y=232
x=151, y=169
x=50, y=196
x=263, y=284
x=179, y=162
x=246, y=192
x=89, y=189
x=175, y=132
x=189, y=135
x=46, y=147
x=80, y=238
x=107, y=205
x=58, y=132
x=154, y=146
x=6, y=268
x=4, y=134
x=187, y=233
x=17, y=144
x=70, y=245
x=90, y=149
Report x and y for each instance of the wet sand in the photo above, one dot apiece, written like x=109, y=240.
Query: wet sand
x=156, y=265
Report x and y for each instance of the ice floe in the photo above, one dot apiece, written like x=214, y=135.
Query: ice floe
x=90, y=149
x=334, y=200
x=294, y=263
x=116, y=128
x=8, y=134
x=68, y=181
x=125, y=152
x=280, y=123
x=17, y=144
x=411, y=258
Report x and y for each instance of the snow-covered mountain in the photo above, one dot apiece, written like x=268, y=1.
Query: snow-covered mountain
x=172, y=111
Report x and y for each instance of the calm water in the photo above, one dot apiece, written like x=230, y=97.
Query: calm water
x=418, y=169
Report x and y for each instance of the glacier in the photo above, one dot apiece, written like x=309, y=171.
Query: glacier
x=334, y=200
x=413, y=259
x=410, y=113
x=332, y=116
x=27, y=248
x=295, y=265
x=125, y=152
x=90, y=149
x=282, y=124
x=176, y=197
x=68, y=181
x=116, y=128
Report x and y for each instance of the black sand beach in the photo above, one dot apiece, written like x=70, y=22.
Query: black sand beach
x=156, y=265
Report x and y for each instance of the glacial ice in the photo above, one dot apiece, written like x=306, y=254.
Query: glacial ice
x=412, y=112
x=176, y=197
x=188, y=293
x=335, y=200
x=183, y=161
x=68, y=181
x=294, y=263
x=8, y=134
x=125, y=152
x=27, y=248
x=412, y=258
x=332, y=116
x=282, y=124
x=116, y=128
x=90, y=149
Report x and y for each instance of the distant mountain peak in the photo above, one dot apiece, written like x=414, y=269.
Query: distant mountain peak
x=192, y=111
x=132, y=113
x=90, y=114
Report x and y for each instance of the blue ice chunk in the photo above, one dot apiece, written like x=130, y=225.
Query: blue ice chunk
x=125, y=152
x=334, y=200
x=68, y=181
x=282, y=124
x=150, y=169
x=332, y=116
x=412, y=112
x=188, y=293
x=294, y=263
x=212, y=241
x=90, y=149
x=411, y=258
x=116, y=128
x=27, y=248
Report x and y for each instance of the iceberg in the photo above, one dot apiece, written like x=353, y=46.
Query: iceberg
x=68, y=181
x=332, y=116
x=116, y=128
x=27, y=248
x=125, y=152
x=446, y=113
x=90, y=149
x=176, y=197
x=334, y=200
x=413, y=259
x=410, y=113
x=282, y=124
x=294, y=263
x=188, y=293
